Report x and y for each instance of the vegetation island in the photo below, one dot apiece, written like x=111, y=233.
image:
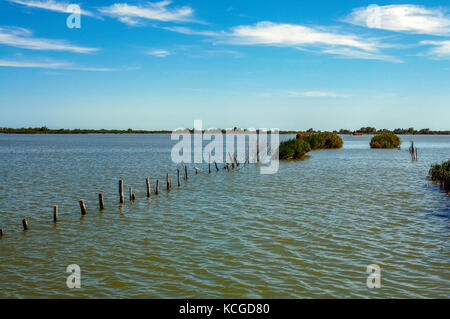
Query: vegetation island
x=303, y=143
x=385, y=140
x=441, y=173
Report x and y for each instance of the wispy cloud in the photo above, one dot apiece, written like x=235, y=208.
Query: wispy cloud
x=318, y=94
x=22, y=38
x=402, y=18
x=51, y=5
x=159, y=11
x=441, y=49
x=189, y=31
x=54, y=65
x=158, y=53
x=276, y=34
x=325, y=40
x=362, y=55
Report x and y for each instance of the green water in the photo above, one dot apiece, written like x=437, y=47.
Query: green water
x=309, y=231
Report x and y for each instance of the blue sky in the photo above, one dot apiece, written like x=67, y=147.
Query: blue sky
x=284, y=64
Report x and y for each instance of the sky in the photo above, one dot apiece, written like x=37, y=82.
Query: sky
x=288, y=64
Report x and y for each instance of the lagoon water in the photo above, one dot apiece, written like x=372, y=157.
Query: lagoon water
x=309, y=231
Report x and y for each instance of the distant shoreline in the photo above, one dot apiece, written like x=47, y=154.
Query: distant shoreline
x=362, y=131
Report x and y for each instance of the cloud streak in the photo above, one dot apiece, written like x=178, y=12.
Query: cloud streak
x=50, y=5
x=301, y=37
x=22, y=38
x=441, y=49
x=54, y=65
x=158, y=53
x=402, y=18
x=318, y=94
x=157, y=11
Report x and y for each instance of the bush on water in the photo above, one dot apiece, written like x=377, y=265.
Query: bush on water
x=441, y=173
x=385, y=140
x=303, y=143
x=293, y=149
x=323, y=140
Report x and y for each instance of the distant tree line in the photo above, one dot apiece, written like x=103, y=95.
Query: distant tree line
x=409, y=131
x=362, y=130
x=46, y=130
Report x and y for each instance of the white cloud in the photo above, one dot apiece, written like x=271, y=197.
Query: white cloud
x=402, y=18
x=301, y=37
x=441, y=49
x=55, y=65
x=189, y=31
x=269, y=33
x=50, y=5
x=159, y=11
x=358, y=54
x=158, y=53
x=22, y=38
x=317, y=94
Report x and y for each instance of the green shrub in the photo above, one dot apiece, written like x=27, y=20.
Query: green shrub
x=441, y=173
x=385, y=140
x=293, y=149
x=323, y=140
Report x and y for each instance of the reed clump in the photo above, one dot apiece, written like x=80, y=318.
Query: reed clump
x=297, y=148
x=385, y=140
x=441, y=173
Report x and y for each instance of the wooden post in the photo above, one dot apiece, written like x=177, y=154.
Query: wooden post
x=132, y=195
x=209, y=164
x=185, y=173
x=168, y=181
x=121, y=191
x=217, y=167
x=82, y=206
x=157, y=187
x=179, y=178
x=55, y=213
x=1, y=232
x=25, y=224
x=196, y=170
x=101, y=202
x=232, y=160
x=236, y=160
x=147, y=181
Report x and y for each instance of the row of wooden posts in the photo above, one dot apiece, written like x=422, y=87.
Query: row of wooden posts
x=234, y=163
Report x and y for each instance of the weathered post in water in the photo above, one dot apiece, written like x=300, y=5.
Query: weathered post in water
x=101, y=203
x=232, y=160
x=121, y=191
x=1, y=232
x=185, y=173
x=157, y=187
x=55, y=213
x=132, y=195
x=209, y=164
x=168, y=181
x=25, y=224
x=147, y=181
x=82, y=206
x=217, y=167
x=179, y=177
